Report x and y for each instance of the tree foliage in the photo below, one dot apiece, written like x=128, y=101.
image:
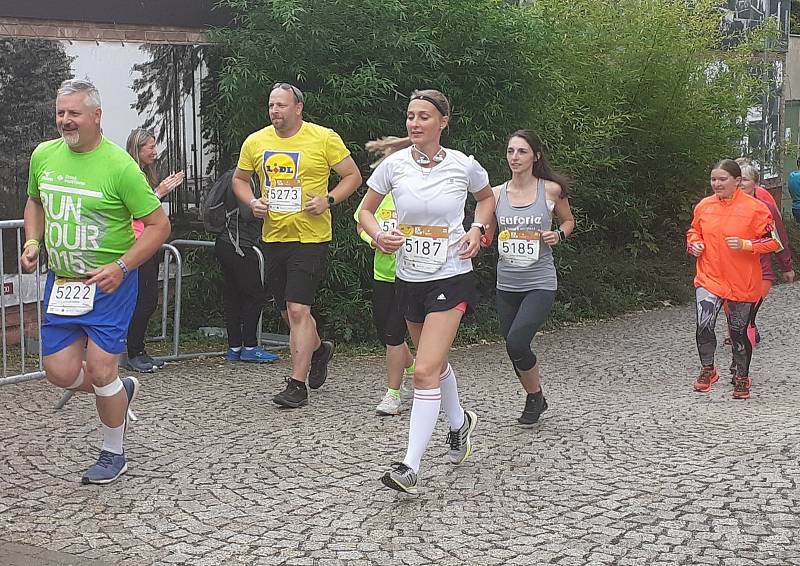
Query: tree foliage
x=30, y=72
x=634, y=99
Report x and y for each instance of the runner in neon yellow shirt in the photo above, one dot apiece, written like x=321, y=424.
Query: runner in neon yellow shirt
x=390, y=324
x=83, y=191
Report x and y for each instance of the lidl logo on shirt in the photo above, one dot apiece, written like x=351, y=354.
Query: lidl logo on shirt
x=280, y=165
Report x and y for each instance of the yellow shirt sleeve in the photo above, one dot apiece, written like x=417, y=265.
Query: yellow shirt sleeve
x=335, y=150
x=246, y=162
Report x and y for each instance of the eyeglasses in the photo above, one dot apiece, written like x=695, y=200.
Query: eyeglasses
x=298, y=95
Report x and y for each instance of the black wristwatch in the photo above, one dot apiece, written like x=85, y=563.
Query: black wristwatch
x=331, y=201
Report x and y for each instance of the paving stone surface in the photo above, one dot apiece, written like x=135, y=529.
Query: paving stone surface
x=629, y=466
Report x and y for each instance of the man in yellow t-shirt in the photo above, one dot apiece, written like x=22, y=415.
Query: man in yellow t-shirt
x=293, y=160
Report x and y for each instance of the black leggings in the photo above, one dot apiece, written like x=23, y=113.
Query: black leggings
x=146, y=302
x=389, y=322
x=521, y=316
x=242, y=293
x=740, y=315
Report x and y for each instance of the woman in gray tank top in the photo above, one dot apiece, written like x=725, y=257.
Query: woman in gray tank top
x=526, y=275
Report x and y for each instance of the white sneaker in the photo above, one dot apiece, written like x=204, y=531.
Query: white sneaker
x=390, y=405
x=407, y=387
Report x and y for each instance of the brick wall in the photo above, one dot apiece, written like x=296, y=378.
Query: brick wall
x=79, y=31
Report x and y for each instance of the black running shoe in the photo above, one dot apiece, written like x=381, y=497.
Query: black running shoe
x=295, y=395
x=319, y=364
x=535, y=405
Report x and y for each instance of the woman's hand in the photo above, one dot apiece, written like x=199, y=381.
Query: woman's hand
x=551, y=238
x=696, y=249
x=168, y=185
x=470, y=243
x=389, y=242
x=736, y=243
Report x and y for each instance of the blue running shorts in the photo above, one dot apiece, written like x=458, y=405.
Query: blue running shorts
x=106, y=325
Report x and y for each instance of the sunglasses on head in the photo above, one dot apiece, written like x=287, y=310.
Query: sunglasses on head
x=298, y=96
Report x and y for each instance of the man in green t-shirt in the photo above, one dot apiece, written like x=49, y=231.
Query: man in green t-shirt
x=83, y=191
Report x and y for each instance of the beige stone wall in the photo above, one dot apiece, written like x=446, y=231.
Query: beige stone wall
x=64, y=30
x=791, y=85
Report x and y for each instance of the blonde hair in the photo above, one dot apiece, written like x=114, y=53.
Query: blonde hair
x=385, y=146
x=136, y=141
x=749, y=169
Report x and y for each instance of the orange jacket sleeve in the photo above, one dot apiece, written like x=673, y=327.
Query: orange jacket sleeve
x=694, y=235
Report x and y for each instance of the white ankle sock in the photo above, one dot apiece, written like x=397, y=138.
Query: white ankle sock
x=112, y=437
x=450, y=401
x=424, y=414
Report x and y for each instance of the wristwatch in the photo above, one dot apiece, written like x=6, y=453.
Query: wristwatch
x=331, y=200
x=479, y=226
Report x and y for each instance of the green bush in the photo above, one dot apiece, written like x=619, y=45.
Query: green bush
x=633, y=98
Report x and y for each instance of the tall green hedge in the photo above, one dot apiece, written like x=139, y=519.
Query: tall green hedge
x=633, y=98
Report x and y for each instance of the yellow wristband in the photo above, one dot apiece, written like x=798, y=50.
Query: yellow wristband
x=30, y=243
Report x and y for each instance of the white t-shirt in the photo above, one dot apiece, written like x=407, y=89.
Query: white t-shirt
x=432, y=197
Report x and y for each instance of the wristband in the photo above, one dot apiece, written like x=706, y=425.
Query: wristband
x=479, y=226
x=123, y=267
x=29, y=243
x=366, y=237
x=377, y=239
x=747, y=245
x=252, y=200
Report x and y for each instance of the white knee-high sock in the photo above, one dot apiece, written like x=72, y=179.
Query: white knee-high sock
x=450, y=401
x=112, y=438
x=424, y=414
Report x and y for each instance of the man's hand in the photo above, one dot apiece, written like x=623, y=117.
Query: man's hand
x=260, y=207
x=29, y=258
x=108, y=277
x=317, y=205
x=788, y=276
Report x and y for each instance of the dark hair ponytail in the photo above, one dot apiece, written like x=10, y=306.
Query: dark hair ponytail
x=730, y=166
x=541, y=167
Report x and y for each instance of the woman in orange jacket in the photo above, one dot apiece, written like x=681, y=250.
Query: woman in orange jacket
x=729, y=232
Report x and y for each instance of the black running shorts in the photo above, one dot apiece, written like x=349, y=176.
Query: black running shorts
x=417, y=299
x=294, y=271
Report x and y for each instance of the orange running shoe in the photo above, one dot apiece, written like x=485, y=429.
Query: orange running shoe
x=741, y=389
x=707, y=378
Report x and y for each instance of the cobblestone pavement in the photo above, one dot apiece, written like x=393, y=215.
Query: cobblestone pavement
x=628, y=466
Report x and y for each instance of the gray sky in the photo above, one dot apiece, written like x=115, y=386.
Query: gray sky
x=109, y=67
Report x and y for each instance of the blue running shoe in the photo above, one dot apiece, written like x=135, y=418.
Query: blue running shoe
x=233, y=355
x=140, y=364
x=109, y=467
x=157, y=364
x=257, y=355
x=131, y=385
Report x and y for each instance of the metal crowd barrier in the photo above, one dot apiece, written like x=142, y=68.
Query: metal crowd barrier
x=171, y=254
x=36, y=372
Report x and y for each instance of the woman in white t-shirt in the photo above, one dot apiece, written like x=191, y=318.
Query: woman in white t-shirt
x=430, y=184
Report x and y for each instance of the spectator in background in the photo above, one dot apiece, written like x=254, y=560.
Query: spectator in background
x=141, y=145
x=794, y=190
x=243, y=290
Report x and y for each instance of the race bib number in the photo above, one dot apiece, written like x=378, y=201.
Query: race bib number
x=425, y=248
x=387, y=220
x=71, y=298
x=519, y=247
x=286, y=195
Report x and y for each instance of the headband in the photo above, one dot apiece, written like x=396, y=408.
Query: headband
x=431, y=100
